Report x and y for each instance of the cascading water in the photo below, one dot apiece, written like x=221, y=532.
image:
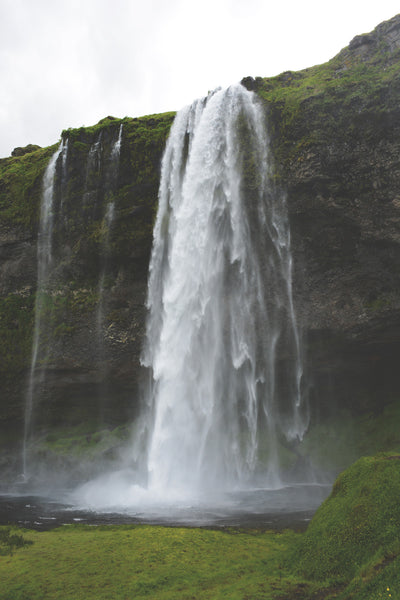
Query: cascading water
x=221, y=313
x=52, y=287
x=111, y=177
x=44, y=267
x=108, y=220
x=116, y=150
x=93, y=168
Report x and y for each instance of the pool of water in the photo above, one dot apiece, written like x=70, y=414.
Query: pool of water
x=287, y=507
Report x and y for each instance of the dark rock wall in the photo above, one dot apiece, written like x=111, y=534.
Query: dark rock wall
x=94, y=313
x=339, y=152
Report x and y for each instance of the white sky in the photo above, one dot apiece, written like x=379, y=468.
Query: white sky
x=67, y=63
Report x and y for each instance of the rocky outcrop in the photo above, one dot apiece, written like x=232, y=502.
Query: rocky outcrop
x=20, y=151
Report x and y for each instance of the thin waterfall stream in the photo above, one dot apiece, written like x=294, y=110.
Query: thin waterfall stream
x=52, y=284
x=44, y=261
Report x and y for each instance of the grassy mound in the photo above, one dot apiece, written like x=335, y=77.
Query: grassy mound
x=357, y=528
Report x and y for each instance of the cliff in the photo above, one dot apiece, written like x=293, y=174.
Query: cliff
x=335, y=131
x=93, y=311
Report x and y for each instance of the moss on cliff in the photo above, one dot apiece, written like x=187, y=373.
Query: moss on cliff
x=345, y=98
x=132, y=188
x=20, y=188
x=16, y=319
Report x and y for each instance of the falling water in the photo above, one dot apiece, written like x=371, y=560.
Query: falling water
x=51, y=218
x=222, y=341
x=116, y=150
x=44, y=267
x=93, y=168
x=111, y=177
x=108, y=220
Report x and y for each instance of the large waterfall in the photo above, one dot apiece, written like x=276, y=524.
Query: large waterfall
x=222, y=346
x=222, y=340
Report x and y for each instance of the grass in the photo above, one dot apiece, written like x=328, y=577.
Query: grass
x=359, y=522
x=21, y=187
x=83, y=562
x=351, y=550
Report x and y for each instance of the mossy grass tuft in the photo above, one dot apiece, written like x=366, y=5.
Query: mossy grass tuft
x=10, y=540
x=358, y=525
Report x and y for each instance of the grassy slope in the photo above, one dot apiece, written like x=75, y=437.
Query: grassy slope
x=350, y=550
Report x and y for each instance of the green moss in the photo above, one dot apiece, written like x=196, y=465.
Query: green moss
x=83, y=441
x=16, y=322
x=381, y=302
x=357, y=524
x=21, y=187
x=339, y=100
x=10, y=540
x=149, y=127
x=133, y=190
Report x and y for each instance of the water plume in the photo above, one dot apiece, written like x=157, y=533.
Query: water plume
x=221, y=313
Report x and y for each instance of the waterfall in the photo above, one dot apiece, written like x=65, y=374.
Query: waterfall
x=108, y=220
x=93, y=170
x=44, y=269
x=101, y=178
x=222, y=342
x=116, y=150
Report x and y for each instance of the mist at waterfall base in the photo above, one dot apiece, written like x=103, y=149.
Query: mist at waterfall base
x=221, y=404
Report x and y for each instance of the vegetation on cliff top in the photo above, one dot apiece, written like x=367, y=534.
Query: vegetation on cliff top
x=350, y=550
x=20, y=188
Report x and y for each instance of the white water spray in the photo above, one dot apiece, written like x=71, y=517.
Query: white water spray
x=116, y=150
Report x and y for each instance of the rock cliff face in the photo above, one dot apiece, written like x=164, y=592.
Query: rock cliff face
x=337, y=137
x=335, y=134
x=104, y=201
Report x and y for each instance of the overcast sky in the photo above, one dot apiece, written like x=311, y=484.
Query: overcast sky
x=67, y=63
